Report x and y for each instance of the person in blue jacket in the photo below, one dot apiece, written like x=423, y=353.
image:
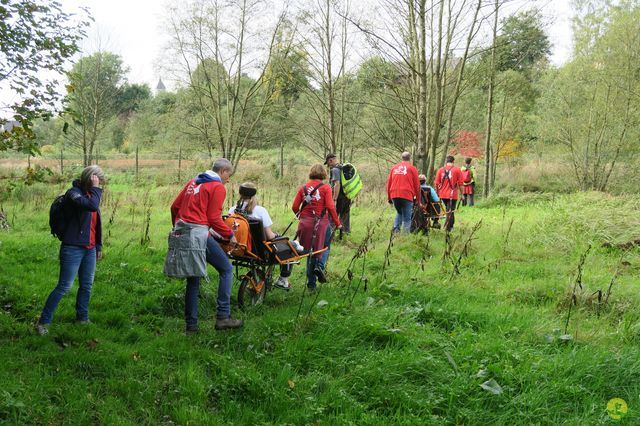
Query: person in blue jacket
x=81, y=246
x=430, y=199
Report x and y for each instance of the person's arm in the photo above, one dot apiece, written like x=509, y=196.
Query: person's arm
x=335, y=177
x=214, y=212
x=177, y=203
x=268, y=232
x=297, y=201
x=331, y=208
x=416, y=184
x=389, y=186
x=438, y=180
x=84, y=201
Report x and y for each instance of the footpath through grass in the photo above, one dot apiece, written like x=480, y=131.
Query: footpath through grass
x=412, y=342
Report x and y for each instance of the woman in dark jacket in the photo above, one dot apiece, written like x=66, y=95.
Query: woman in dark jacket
x=81, y=246
x=313, y=204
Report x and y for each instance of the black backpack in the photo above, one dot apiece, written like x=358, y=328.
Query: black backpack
x=58, y=216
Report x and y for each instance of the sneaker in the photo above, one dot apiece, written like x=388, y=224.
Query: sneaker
x=299, y=248
x=283, y=283
x=320, y=274
x=190, y=331
x=228, y=323
x=83, y=322
x=42, y=329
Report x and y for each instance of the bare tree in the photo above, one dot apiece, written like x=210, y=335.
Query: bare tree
x=492, y=72
x=219, y=44
x=325, y=33
x=423, y=40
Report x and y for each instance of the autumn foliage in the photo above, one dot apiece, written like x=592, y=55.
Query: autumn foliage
x=467, y=144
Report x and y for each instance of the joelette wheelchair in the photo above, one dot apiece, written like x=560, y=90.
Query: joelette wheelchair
x=258, y=256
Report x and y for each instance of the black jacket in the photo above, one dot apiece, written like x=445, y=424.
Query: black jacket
x=79, y=208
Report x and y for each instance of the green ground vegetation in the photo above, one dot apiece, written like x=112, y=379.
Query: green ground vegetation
x=473, y=331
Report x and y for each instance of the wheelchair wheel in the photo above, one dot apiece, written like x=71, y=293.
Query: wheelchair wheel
x=252, y=289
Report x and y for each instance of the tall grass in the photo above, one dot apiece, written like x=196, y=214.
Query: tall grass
x=412, y=346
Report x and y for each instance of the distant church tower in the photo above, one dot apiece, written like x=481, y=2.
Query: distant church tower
x=160, y=87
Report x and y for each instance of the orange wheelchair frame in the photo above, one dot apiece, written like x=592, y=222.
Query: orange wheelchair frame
x=259, y=262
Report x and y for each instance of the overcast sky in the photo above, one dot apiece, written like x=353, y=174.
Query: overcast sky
x=134, y=30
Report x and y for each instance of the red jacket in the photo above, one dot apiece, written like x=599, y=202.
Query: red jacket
x=403, y=182
x=322, y=199
x=201, y=202
x=448, y=188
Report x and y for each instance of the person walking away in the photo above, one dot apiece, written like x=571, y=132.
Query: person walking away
x=343, y=207
x=468, y=182
x=313, y=204
x=200, y=203
x=342, y=203
x=448, y=181
x=403, y=189
x=80, y=248
x=248, y=204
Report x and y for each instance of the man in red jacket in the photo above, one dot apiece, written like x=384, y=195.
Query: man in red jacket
x=449, y=182
x=200, y=202
x=403, y=188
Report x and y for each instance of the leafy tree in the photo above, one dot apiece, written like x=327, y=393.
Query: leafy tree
x=522, y=43
x=131, y=96
x=591, y=106
x=288, y=76
x=35, y=36
x=95, y=87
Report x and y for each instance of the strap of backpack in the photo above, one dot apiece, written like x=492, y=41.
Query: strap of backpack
x=447, y=176
x=304, y=202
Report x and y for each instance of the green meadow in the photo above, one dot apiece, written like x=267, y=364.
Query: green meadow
x=502, y=323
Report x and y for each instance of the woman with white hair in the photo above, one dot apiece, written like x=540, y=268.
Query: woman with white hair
x=81, y=246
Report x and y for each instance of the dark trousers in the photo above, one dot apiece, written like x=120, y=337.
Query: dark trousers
x=467, y=200
x=450, y=208
x=343, y=208
x=285, y=270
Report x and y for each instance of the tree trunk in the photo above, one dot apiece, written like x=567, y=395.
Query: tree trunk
x=487, y=145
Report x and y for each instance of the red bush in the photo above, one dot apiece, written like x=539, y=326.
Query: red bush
x=467, y=144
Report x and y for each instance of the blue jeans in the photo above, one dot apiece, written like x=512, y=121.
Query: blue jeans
x=324, y=257
x=217, y=258
x=404, y=209
x=74, y=261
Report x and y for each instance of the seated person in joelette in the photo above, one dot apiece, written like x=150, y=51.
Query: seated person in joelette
x=249, y=205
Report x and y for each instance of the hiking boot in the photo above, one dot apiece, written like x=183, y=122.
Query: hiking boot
x=283, y=283
x=228, y=323
x=319, y=273
x=190, y=331
x=42, y=329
